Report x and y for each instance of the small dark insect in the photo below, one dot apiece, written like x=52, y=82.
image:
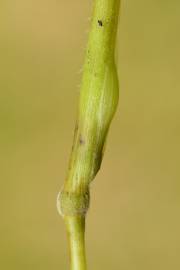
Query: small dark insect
x=100, y=23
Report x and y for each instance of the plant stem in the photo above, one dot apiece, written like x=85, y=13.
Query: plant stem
x=98, y=102
x=75, y=227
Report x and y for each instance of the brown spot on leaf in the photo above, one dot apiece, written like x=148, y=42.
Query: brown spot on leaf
x=81, y=140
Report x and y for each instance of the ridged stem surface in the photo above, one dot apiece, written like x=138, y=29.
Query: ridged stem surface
x=98, y=101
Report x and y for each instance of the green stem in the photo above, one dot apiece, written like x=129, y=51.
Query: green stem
x=98, y=102
x=75, y=227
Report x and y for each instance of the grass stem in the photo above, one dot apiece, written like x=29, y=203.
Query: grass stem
x=98, y=102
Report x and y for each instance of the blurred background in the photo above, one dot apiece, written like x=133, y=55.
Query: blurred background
x=134, y=219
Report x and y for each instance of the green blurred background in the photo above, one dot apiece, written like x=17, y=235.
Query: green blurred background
x=134, y=219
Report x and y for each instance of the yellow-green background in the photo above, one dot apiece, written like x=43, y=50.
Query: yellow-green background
x=134, y=219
